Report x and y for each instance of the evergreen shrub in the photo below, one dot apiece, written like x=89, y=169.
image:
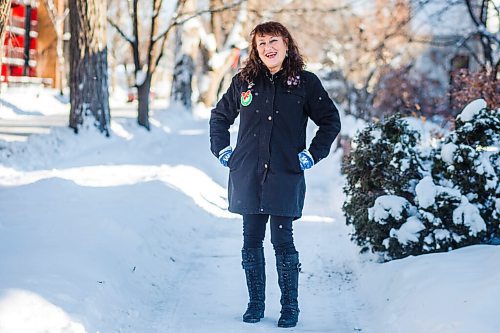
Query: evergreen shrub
x=402, y=200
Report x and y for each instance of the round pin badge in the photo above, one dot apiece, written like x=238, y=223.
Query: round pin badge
x=246, y=98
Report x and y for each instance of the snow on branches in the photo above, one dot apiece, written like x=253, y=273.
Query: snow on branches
x=406, y=199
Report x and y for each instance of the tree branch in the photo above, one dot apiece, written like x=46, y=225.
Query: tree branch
x=120, y=31
x=154, y=26
x=192, y=15
x=471, y=12
x=302, y=10
x=135, y=42
x=178, y=8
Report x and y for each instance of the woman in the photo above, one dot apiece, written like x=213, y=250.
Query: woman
x=274, y=97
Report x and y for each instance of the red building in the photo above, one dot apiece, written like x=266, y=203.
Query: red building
x=30, y=52
x=20, y=44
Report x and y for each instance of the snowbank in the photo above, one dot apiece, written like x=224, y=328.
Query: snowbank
x=23, y=311
x=22, y=102
x=454, y=292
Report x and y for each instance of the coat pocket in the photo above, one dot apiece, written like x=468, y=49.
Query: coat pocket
x=296, y=165
x=296, y=94
x=235, y=160
x=290, y=104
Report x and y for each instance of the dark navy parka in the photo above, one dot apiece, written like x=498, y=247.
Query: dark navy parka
x=265, y=175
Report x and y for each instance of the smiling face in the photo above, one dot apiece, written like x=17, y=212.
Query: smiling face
x=272, y=51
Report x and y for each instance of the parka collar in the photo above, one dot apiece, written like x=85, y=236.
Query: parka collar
x=273, y=77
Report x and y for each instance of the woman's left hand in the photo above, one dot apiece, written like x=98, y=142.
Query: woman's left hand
x=305, y=159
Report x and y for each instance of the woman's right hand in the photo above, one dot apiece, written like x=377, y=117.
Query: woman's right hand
x=225, y=154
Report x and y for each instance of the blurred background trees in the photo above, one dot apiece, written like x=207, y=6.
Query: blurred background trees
x=376, y=57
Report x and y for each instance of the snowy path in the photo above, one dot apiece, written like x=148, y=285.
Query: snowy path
x=211, y=287
x=130, y=234
x=212, y=292
x=25, y=111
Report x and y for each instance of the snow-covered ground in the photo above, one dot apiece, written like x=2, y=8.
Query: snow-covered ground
x=131, y=234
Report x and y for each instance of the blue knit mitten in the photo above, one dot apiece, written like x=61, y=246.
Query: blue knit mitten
x=224, y=155
x=305, y=159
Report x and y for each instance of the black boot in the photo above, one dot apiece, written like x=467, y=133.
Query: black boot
x=254, y=265
x=288, y=267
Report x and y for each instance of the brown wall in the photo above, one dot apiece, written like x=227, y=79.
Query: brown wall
x=47, y=57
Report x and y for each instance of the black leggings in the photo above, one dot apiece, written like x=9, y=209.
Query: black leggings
x=254, y=230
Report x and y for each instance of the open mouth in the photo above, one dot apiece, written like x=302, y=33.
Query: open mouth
x=271, y=55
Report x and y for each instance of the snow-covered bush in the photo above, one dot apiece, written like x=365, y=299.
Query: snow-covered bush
x=384, y=162
x=469, y=160
x=450, y=220
x=403, y=200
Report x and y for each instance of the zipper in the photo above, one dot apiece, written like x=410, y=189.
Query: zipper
x=271, y=78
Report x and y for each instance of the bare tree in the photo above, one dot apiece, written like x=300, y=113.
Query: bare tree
x=207, y=49
x=187, y=40
x=57, y=14
x=226, y=27
x=118, y=48
x=183, y=72
x=146, y=63
x=88, y=64
x=4, y=11
x=482, y=13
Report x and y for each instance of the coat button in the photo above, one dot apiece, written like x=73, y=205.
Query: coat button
x=269, y=118
x=277, y=111
x=265, y=165
x=257, y=110
x=262, y=209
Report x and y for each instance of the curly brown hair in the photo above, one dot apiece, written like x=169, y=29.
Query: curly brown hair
x=293, y=63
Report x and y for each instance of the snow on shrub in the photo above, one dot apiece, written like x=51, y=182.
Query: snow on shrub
x=469, y=161
x=402, y=200
x=382, y=171
x=451, y=220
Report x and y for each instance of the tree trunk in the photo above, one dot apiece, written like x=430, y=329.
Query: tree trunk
x=181, y=85
x=61, y=61
x=143, y=91
x=4, y=11
x=88, y=64
x=183, y=73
